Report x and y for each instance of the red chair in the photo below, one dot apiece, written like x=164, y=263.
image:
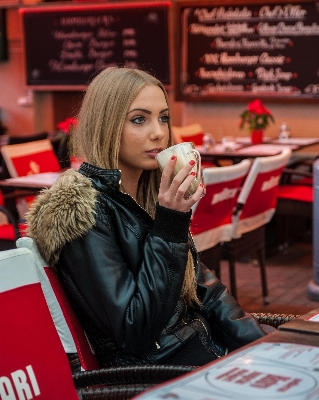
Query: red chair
x=33, y=362
x=255, y=207
x=188, y=133
x=211, y=221
x=9, y=229
x=191, y=133
x=122, y=382
x=26, y=159
x=71, y=333
x=294, y=210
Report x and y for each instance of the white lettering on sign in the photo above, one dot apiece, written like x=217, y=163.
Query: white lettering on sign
x=271, y=183
x=128, y=32
x=225, y=194
x=289, y=11
x=223, y=87
x=221, y=74
x=229, y=29
x=272, y=75
x=204, y=15
x=259, y=379
x=23, y=381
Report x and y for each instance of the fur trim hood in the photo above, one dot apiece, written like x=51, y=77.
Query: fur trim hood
x=61, y=214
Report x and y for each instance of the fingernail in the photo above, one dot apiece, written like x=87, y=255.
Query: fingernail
x=173, y=157
x=193, y=173
x=201, y=184
x=192, y=162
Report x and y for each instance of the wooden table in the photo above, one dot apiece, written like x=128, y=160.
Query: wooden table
x=244, y=149
x=282, y=365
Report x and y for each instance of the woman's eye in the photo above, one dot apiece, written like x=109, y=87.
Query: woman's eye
x=164, y=119
x=138, y=120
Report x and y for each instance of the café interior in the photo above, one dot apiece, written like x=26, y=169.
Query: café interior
x=268, y=258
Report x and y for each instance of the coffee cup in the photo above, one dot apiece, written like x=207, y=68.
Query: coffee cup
x=185, y=152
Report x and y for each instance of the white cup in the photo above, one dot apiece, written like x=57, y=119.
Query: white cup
x=185, y=152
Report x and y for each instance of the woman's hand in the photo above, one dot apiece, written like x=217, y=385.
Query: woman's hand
x=171, y=194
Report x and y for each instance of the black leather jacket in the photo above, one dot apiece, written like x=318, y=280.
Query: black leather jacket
x=124, y=277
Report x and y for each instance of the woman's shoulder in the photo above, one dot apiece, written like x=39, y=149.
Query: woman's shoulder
x=62, y=213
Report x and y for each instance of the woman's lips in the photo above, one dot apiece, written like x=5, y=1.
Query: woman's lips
x=154, y=152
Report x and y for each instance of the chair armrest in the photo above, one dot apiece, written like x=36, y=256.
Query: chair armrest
x=273, y=319
x=288, y=173
x=134, y=374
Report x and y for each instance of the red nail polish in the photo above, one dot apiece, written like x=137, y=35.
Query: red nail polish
x=192, y=162
x=173, y=157
x=201, y=185
x=193, y=173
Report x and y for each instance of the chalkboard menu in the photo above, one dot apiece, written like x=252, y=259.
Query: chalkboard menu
x=233, y=52
x=69, y=45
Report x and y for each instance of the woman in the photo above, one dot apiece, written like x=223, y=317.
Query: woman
x=117, y=233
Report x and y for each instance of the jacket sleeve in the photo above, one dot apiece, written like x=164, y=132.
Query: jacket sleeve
x=130, y=295
x=228, y=321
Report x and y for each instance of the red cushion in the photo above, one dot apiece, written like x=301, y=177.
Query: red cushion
x=303, y=181
x=197, y=138
x=295, y=192
x=7, y=232
x=207, y=164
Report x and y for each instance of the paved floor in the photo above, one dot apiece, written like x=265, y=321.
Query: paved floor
x=288, y=274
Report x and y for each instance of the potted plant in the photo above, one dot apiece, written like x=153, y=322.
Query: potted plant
x=256, y=119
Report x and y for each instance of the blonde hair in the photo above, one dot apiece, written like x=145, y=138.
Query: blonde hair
x=96, y=138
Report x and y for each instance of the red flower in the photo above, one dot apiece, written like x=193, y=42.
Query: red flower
x=67, y=124
x=256, y=106
x=256, y=117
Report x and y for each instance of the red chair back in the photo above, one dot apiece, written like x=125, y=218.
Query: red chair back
x=68, y=326
x=258, y=197
x=27, y=159
x=189, y=133
x=33, y=362
x=30, y=158
x=212, y=214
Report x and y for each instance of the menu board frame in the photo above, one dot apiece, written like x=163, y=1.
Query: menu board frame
x=189, y=87
x=58, y=42
x=3, y=36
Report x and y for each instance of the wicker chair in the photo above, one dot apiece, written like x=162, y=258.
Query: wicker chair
x=126, y=382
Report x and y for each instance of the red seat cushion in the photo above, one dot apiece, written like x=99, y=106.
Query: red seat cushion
x=295, y=192
x=197, y=138
x=303, y=181
x=7, y=232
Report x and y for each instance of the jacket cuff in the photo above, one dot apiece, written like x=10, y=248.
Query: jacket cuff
x=171, y=225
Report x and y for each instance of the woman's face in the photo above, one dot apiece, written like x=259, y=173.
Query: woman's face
x=145, y=131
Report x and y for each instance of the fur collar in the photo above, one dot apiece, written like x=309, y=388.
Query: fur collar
x=61, y=214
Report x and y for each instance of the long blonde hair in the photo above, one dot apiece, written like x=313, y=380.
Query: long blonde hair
x=96, y=139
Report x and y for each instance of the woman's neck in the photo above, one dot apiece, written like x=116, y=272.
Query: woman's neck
x=129, y=183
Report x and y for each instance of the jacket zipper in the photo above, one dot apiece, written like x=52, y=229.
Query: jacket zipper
x=137, y=203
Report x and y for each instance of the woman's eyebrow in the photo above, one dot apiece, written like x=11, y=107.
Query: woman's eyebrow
x=146, y=111
x=140, y=109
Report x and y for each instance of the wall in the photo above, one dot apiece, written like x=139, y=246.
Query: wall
x=223, y=118
x=49, y=107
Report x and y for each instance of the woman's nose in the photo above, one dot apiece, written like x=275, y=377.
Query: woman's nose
x=158, y=131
